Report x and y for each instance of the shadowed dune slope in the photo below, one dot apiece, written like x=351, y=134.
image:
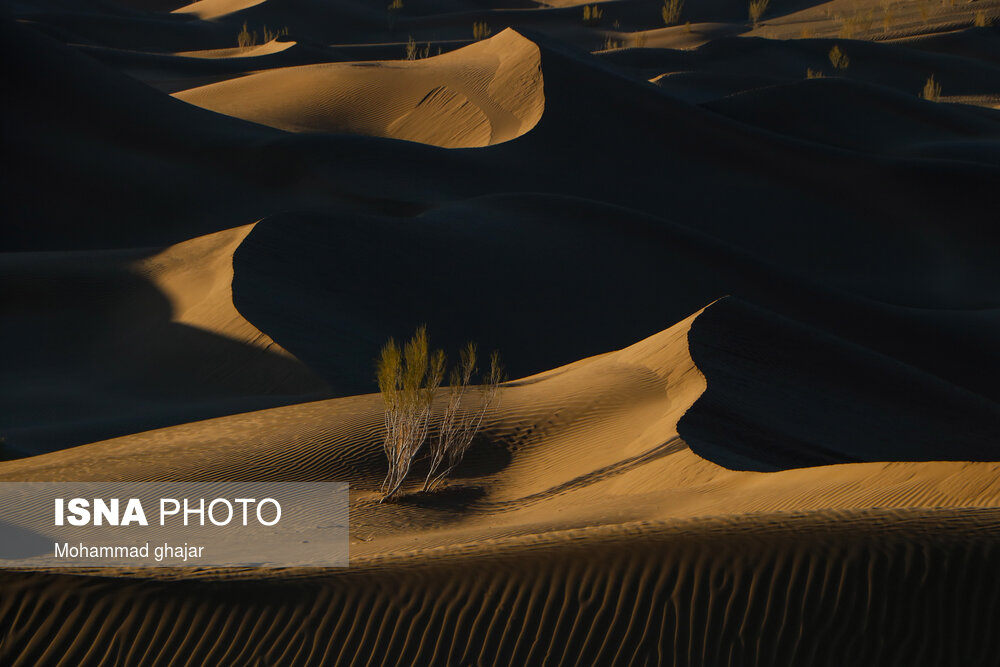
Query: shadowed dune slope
x=119, y=341
x=867, y=118
x=781, y=395
x=480, y=95
x=616, y=275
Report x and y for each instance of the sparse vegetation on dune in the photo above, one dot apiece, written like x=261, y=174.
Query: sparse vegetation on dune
x=611, y=43
x=757, y=9
x=671, y=11
x=413, y=50
x=592, y=14
x=932, y=90
x=408, y=380
x=481, y=30
x=838, y=58
x=461, y=422
x=247, y=38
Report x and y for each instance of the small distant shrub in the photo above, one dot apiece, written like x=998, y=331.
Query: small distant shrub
x=611, y=43
x=813, y=73
x=592, y=14
x=414, y=52
x=932, y=90
x=268, y=35
x=395, y=5
x=838, y=58
x=671, y=11
x=757, y=9
x=246, y=39
x=481, y=30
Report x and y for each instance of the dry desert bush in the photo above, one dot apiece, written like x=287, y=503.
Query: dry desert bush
x=408, y=380
x=757, y=9
x=414, y=52
x=247, y=38
x=671, y=11
x=932, y=90
x=481, y=30
x=838, y=58
x=592, y=14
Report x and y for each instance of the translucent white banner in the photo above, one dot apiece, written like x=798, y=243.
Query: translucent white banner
x=173, y=524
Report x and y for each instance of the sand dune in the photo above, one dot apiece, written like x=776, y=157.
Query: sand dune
x=480, y=95
x=562, y=602
x=751, y=319
x=920, y=123
x=213, y=9
x=160, y=325
x=575, y=494
x=265, y=49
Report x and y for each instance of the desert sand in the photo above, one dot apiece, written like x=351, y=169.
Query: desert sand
x=749, y=304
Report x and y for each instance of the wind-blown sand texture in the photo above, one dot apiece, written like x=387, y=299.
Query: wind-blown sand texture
x=752, y=321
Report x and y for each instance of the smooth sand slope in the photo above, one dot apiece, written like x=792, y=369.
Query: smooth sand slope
x=480, y=95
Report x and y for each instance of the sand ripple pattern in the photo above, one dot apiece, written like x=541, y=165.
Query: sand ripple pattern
x=758, y=590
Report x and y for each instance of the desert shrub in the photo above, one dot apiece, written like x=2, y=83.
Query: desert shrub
x=460, y=423
x=269, y=35
x=245, y=38
x=932, y=90
x=813, y=73
x=757, y=9
x=481, y=30
x=407, y=380
x=611, y=43
x=414, y=52
x=592, y=14
x=395, y=5
x=838, y=58
x=671, y=11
